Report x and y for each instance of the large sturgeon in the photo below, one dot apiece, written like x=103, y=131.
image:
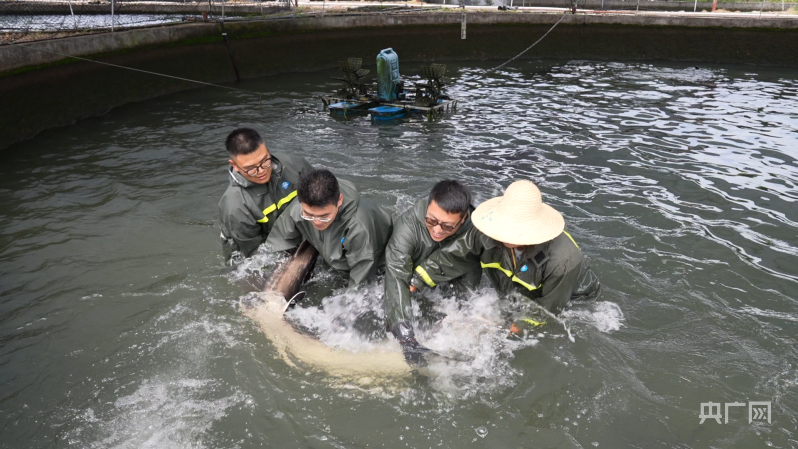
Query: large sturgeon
x=266, y=309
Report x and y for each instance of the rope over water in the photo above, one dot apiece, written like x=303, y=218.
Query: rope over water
x=530, y=47
x=259, y=94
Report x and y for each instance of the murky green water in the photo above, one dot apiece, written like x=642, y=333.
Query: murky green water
x=120, y=326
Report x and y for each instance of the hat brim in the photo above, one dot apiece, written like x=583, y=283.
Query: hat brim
x=500, y=221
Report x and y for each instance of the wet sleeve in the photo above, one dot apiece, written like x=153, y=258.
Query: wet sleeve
x=470, y=280
x=456, y=259
x=285, y=234
x=398, y=274
x=240, y=230
x=558, y=285
x=360, y=256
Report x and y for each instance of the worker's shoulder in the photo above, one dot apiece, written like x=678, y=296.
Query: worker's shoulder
x=292, y=162
x=408, y=230
x=564, y=250
x=234, y=197
x=371, y=212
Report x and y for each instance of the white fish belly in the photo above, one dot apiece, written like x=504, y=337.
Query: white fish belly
x=298, y=349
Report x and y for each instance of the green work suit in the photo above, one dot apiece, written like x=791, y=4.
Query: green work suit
x=410, y=245
x=248, y=211
x=354, y=242
x=551, y=273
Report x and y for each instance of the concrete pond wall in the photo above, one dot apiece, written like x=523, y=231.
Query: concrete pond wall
x=629, y=5
x=195, y=8
x=41, y=89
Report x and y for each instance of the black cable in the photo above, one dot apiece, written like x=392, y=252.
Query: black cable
x=259, y=94
x=528, y=48
x=230, y=50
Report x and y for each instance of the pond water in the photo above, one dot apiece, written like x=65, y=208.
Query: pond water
x=120, y=325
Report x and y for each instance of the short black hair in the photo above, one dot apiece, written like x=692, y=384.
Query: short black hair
x=318, y=188
x=243, y=141
x=451, y=196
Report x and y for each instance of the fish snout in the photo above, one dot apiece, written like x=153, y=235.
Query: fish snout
x=272, y=300
x=250, y=301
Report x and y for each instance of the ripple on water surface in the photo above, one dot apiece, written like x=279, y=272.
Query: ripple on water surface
x=121, y=328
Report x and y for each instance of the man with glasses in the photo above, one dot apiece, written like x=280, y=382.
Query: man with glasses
x=523, y=246
x=349, y=232
x=420, y=233
x=261, y=187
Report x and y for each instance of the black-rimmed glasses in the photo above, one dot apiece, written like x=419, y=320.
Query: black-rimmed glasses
x=264, y=165
x=431, y=222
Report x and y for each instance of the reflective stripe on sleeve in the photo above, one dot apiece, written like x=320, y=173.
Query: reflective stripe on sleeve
x=528, y=286
x=509, y=274
x=424, y=276
x=496, y=266
x=533, y=322
x=274, y=207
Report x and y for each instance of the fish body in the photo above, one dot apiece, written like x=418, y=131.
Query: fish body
x=267, y=309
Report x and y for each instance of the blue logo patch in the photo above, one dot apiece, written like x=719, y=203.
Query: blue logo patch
x=286, y=185
x=342, y=239
x=524, y=268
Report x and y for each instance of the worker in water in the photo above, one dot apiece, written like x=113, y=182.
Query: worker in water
x=521, y=244
x=349, y=232
x=419, y=233
x=262, y=185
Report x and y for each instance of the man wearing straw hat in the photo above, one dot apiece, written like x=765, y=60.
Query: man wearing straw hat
x=521, y=244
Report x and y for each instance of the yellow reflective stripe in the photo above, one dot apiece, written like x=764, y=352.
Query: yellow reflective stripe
x=569, y=236
x=424, y=276
x=509, y=274
x=528, y=286
x=287, y=198
x=274, y=207
x=266, y=212
x=533, y=322
x=496, y=266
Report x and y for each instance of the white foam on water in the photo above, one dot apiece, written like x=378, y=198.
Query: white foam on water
x=472, y=341
x=177, y=309
x=472, y=352
x=334, y=322
x=256, y=264
x=770, y=314
x=176, y=405
x=183, y=325
x=603, y=315
x=161, y=413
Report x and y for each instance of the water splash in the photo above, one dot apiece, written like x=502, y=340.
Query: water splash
x=605, y=316
x=469, y=337
x=162, y=413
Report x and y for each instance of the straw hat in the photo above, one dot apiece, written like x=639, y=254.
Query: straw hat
x=518, y=217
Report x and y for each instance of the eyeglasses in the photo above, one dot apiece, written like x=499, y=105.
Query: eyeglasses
x=320, y=220
x=431, y=222
x=264, y=165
